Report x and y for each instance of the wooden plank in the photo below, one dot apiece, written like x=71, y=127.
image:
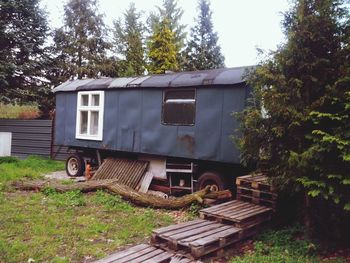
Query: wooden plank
x=160, y=258
x=147, y=256
x=256, y=193
x=195, y=231
x=217, y=236
x=134, y=256
x=241, y=208
x=240, y=215
x=186, y=228
x=146, y=182
x=202, y=235
x=122, y=253
x=172, y=227
x=218, y=206
x=253, y=213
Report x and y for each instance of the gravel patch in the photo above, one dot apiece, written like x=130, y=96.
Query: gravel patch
x=62, y=175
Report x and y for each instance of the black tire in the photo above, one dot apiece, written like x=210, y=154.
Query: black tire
x=75, y=165
x=211, y=178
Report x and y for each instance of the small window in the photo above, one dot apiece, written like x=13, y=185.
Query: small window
x=179, y=107
x=90, y=115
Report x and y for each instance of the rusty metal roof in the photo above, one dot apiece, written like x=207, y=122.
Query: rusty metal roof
x=223, y=76
x=124, y=171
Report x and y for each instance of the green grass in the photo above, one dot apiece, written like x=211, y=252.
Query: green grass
x=12, y=169
x=9, y=111
x=66, y=227
x=283, y=246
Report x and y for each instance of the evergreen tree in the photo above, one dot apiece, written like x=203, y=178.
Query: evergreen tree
x=173, y=14
x=81, y=43
x=304, y=136
x=23, y=31
x=128, y=38
x=203, y=51
x=162, y=50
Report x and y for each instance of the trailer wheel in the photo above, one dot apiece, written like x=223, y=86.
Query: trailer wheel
x=75, y=165
x=211, y=178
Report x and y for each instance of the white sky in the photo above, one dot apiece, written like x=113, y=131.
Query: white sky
x=242, y=25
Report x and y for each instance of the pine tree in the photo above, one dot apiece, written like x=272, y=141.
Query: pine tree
x=162, y=50
x=304, y=136
x=128, y=39
x=81, y=43
x=23, y=31
x=173, y=14
x=203, y=51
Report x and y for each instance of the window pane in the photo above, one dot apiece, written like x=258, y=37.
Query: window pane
x=96, y=100
x=179, y=107
x=83, y=122
x=94, y=123
x=84, y=100
x=179, y=114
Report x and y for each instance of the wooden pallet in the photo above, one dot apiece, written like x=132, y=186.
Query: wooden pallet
x=256, y=193
x=258, y=181
x=256, y=201
x=146, y=254
x=196, y=238
x=240, y=214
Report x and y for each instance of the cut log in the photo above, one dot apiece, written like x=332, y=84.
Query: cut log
x=127, y=193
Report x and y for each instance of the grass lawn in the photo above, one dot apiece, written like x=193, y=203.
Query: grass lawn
x=69, y=227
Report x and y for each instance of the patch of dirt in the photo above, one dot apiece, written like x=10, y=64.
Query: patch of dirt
x=62, y=175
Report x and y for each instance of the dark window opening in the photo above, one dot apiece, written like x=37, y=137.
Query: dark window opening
x=179, y=107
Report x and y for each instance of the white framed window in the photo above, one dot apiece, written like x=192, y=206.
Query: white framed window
x=90, y=106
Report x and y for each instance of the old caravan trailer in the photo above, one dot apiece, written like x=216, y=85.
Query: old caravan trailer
x=180, y=122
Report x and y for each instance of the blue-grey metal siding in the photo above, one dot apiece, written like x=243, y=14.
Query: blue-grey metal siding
x=32, y=137
x=132, y=123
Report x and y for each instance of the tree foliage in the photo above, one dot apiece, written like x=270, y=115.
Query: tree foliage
x=129, y=42
x=298, y=118
x=203, y=50
x=161, y=50
x=81, y=43
x=170, y=11
x=23, y=56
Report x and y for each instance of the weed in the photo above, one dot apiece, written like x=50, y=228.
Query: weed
x=8, y=159
x=112, y=202
x=282, y=246
x=67, y=199
x=193, y=210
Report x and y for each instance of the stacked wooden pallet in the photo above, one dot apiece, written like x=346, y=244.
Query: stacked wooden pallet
x=196, y=238
x=220, y=226
x=244, y=215
x=256, y=189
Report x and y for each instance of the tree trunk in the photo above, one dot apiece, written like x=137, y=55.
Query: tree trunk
x=125, y=192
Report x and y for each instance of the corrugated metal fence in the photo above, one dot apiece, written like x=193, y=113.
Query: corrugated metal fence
x=33, y=137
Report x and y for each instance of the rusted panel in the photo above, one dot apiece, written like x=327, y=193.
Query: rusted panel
x=124, y=171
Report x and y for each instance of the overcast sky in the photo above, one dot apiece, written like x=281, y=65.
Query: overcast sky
x=242, y=25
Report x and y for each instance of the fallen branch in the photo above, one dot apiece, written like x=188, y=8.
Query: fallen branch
x=127, y=193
